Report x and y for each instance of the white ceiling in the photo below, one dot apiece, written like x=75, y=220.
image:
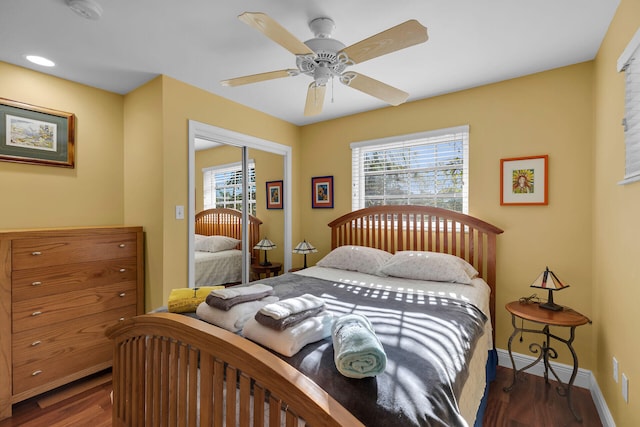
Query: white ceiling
x=200, y=42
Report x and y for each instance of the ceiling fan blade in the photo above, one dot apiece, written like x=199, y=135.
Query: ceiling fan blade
x=254, y=78
x=275, y=32
x=315, y=100
x=396, y=38
x=375, y=88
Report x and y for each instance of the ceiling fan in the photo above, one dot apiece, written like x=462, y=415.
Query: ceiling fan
x=324, y=58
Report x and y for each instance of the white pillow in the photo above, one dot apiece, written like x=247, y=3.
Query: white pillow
x=199, y=237
x=432, y=266
x=216, y=243
x=356, y=258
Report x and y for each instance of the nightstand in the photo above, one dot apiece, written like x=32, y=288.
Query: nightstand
x=567, y=318
x=267, y=270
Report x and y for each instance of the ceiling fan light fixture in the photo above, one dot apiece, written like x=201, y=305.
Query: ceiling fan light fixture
x=88, y=9
x=321, y=75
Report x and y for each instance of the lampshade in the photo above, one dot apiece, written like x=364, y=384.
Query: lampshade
x=305, y=248
x=548, y=280
x=265, y=245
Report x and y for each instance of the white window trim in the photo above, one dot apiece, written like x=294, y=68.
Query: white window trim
x=632, y=136
x=358, y=179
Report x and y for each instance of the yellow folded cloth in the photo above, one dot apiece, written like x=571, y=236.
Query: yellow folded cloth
x=183, y=300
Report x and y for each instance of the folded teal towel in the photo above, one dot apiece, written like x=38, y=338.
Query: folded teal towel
x=357, y=350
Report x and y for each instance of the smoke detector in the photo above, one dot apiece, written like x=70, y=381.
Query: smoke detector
x=88, y=9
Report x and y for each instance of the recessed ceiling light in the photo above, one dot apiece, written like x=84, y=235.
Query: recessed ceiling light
x=40, y=60
x=88, y=9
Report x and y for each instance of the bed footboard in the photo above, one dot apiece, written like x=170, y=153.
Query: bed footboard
x=170, y=369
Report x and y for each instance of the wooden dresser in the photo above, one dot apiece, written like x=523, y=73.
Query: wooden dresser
x=59, y=290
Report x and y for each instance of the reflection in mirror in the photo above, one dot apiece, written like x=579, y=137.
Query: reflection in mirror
x=216, y=182
x=269, y=167
x=219, y=190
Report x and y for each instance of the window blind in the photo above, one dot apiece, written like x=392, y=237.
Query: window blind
x=629, y=62
x=222, y=187
x=428, y=168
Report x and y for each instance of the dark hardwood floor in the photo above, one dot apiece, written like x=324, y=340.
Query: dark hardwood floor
x=531, y=403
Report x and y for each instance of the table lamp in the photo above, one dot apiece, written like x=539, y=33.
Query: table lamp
x=265, y=245
x=548, y=280
x=305, y=248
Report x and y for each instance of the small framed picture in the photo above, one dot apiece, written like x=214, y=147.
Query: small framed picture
x=274, y=194
x=524, y=180
x=322, y=192
x=36, y=135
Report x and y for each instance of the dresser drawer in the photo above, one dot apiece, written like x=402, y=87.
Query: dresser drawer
x=39, y=344
x=39, y=373
x=43, y=281
x=48, y=251
x=51, y=309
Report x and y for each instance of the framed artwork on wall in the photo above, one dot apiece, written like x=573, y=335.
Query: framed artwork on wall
x=322, y=192
x=274, y=194
x=36, y=135
x=524, y=180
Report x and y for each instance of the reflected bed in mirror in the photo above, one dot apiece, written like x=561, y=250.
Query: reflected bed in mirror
x=218, y=246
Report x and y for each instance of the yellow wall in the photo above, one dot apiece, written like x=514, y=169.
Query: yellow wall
x=35, y=196
x=144, y=183
x=547, y=113
x=616, y=209
x=179, y=103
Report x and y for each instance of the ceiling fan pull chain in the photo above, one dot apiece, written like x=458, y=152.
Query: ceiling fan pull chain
x=332, y=89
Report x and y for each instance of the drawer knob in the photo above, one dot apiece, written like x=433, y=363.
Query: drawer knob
x=36, y=313
x=36, y=253
x=122, y=294
x=122, y=245
x=121, y=319
x=35, y=343
x=34, y=373
x=122, y=270
x=36, y=283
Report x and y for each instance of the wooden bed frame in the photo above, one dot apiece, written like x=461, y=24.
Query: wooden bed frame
x=228, y=222
x=176, y=369
x=423, y=228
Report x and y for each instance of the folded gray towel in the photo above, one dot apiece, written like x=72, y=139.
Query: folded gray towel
x=216, y=301
x=289, y=321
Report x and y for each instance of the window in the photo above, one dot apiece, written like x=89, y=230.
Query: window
x=629, y=62
x=429, y=168
x=222, y=187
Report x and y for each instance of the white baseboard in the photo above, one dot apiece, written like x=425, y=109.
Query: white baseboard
x=584, y=379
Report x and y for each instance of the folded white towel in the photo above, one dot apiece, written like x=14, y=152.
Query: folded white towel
x=233, y=319
x=289, y=306
x=291, y=340
x=235, y=291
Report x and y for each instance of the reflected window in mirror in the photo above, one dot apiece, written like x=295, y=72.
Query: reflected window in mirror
x=222, y=187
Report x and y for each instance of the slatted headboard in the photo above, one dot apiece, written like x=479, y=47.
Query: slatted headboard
x=423, y=228
x=228, y=222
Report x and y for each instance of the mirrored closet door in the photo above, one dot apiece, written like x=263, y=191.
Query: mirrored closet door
x=232, y=171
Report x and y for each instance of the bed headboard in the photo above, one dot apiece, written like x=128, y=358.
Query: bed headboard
x=423, y=228
x=228, y=222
